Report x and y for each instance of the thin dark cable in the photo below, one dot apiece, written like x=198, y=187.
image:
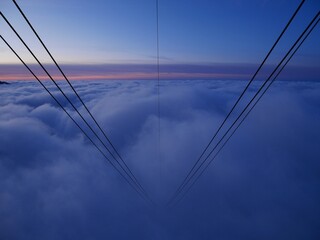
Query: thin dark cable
x=201, y=173
x=74, y=121
x=238, y=100
x=158, y=81
x=279, y=71
x=78, y=96
x=248, y=104
x=291, y=49
x=158, y=61
x=67, y=98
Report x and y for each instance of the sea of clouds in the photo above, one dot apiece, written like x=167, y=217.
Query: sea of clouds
x=55, y=185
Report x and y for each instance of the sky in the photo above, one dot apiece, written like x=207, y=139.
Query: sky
x=264, y=184
x=210, y=33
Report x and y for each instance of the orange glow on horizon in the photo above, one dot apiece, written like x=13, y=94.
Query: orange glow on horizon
x=128, y=76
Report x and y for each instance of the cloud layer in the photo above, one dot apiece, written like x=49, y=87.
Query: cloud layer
x=264, y=184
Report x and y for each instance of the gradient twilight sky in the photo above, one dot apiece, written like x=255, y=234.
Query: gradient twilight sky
x=190, y=32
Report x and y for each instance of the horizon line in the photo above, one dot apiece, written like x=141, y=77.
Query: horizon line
x=219, y=71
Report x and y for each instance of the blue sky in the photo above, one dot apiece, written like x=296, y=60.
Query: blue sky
x=123, y=31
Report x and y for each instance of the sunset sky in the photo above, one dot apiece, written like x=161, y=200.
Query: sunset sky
x=220, y=39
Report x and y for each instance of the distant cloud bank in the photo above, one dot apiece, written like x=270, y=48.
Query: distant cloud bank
x=167, y=72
